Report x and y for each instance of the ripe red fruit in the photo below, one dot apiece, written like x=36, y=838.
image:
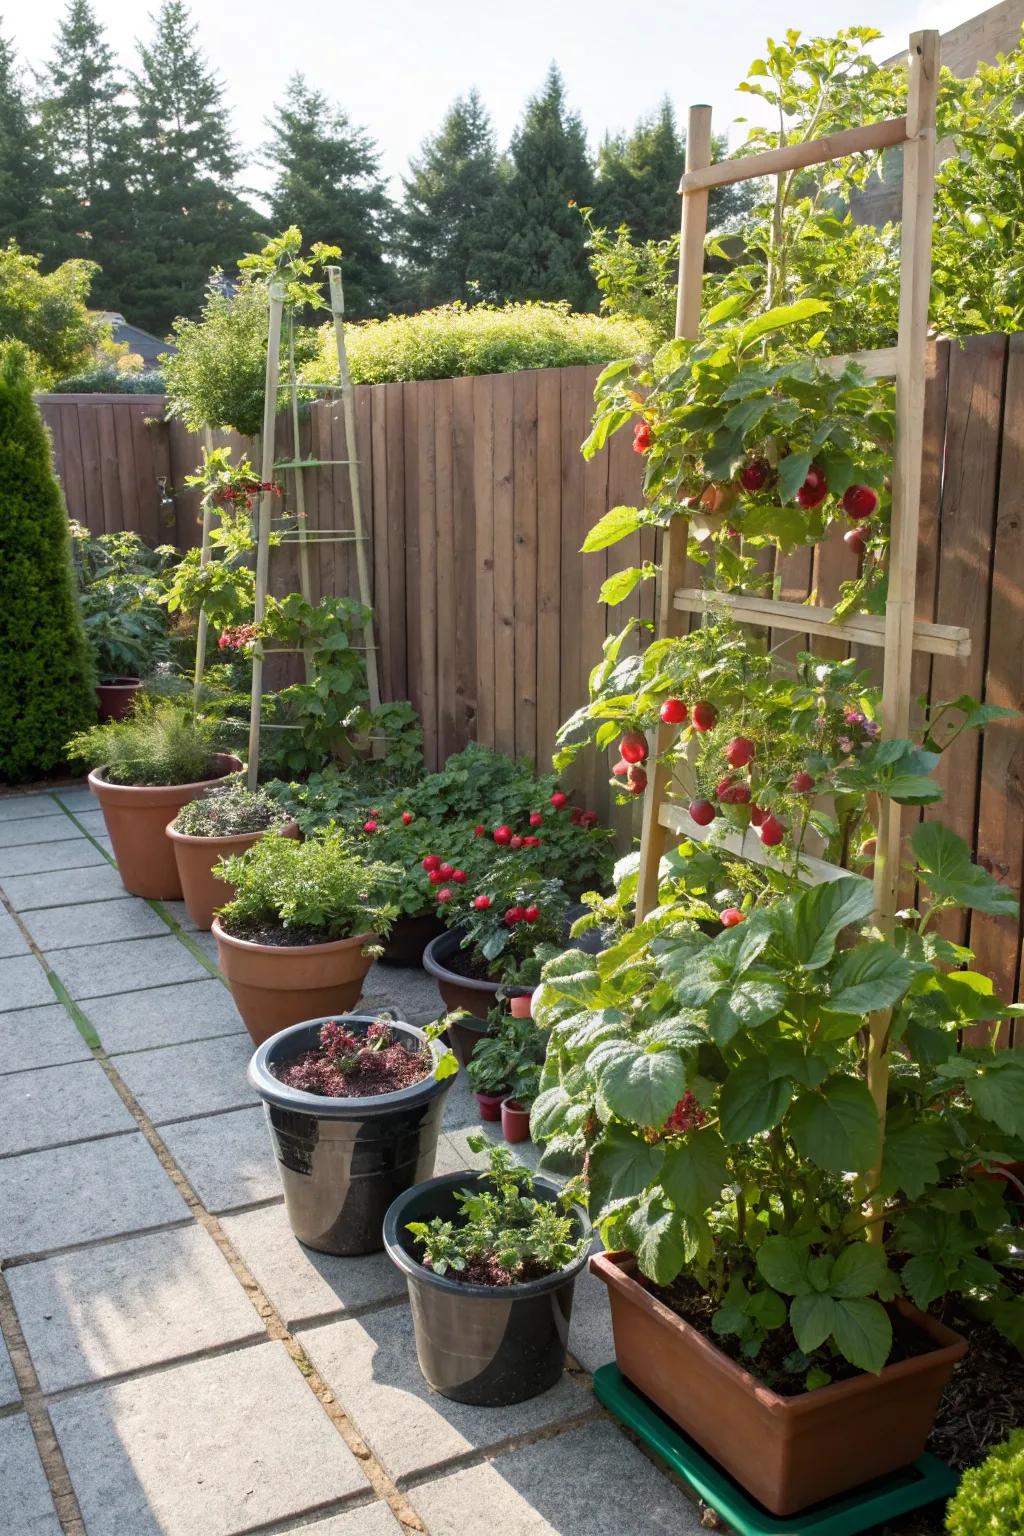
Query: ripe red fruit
x=503, y=835
x=731, y=793
x=730, y=917
x=531, y=914
x=641, y=437
x=739, y=751
x=446, y=871
x=802, y=783
x=514, y=915
x=754, y=474
x=814, y=489
x=479, y=829
x=673, y=712
x=435, y=877
x=536, y=818
x=771, y=831
x=515, y=842
x=859, y=501
x=702, y=812
x=621, y=769
x=587, y=820
x=459, y=876
x=633, y=747
x=757, y=815
x=636, y=781
x=854, y=540
x=481, y=903
x=445, y=893
x=369, y=826
x=531, y=842
x=431, y=862
x=868, y=848
x=703, y=716
x=558, y=799
x=406, y=818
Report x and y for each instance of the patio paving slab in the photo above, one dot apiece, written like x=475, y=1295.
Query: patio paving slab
x=18, y=807
x=12, y=940
x=23, y=983
x=73, y=852
x=102, y=1311
x=26, y=1508
x=23, y=831
x=203, y=1449
x=93, y=922
x=79, y=795
x=49, y=1200
x=543, y=1490
x=371, y=1520
x=169, y=1015
x=303, y=1284
x=39, y=1037
x=176, y=909
x=226, y=1158
x=407, y=989
x=8, y=1383
x=129, y=965
x=178, y=1081
x=369, y=1362
x=64, y=887
x=54, y=1105
x=90, y=820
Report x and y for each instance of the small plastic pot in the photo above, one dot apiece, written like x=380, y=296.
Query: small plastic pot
x=515, y=1121
x=521, y=1007
x=490, y=1345
x=490, y=1105
x=343, y=1162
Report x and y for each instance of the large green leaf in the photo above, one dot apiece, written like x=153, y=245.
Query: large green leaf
x=622, y=1165
x=617, y=523
x=658, y=1238
x=869, y=977
x=616, y=588
x=836, y=1126
x=863, y=1333
x=751, y=1101
x=812, y=1318
x=642, y=1086
x=946, y=868
x=914, y=1149
x=695, y=1171
x=754, y=1000
x=860, y=1270
x=784, y=1261
x=820, y=914
x=548, y=1113
x=995, y=1084
x=780, y=318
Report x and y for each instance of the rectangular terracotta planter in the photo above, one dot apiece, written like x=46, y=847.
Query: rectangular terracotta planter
x=787, y=1452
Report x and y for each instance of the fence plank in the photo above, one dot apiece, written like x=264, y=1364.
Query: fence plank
x=524, y=560
x=447, y=605
x=504, y=556
x=427, y=573
x=411, y=483
x=483, y=520
x=549, y=562
x=395, y=512
x=464, y=555
x=573, y=687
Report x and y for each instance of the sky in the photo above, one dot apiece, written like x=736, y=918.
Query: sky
x=396, y=65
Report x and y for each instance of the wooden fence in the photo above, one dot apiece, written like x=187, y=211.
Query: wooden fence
x=487, y=613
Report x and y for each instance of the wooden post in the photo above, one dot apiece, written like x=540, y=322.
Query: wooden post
x=362, y=562
x=204, y=560
x=263, y=516
x=915, y=284
x=693, y=230
x=305, y=577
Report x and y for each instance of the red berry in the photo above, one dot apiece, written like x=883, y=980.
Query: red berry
x=641, y=437
x=459, y=876
x=536, y=818
x=859, y=501
x=731, y=793
x=514, y=915
x=369, y=826
x=574, y=816
x=558, y=799
x=589, y=819
x=479, y=830
x=503, y=835
x=757, y=815
x=703, y=812
x=481, y=903
x=446, y=871
x=673, y=712
x=621, y=769
x=814, y=489
x=435, y=877
x=531, y=914
x=531, y=842
x=636, y=781
x=854, y=540
x=703, y=716
x=730, y=917
x=633, y=747
x=754, y=474
x=515, y=842
x=867, y=849
x=771, y=831
x=375, y=813
x=723, y=787
x=739, y=751
x=445, y=893
x=801, y=783
x=431, y=862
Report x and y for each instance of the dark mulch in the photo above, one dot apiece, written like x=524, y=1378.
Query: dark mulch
x=374, y=1072
x=484, y=1269
x=466, y=962
x=278, y=934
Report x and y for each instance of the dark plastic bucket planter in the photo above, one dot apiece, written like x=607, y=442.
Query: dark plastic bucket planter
x=515, y=1121
x=478, y=997
x=343, y=1161
x=482, y=1344
x=409, y=937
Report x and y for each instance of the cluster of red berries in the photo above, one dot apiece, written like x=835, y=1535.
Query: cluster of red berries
x=633, y=749
x=237, y=639
x=439, y=873
x=518, y=914
x=686, y=1116
x=641, y=437
x=733, y=791
x=245, y=491
x=372, y=822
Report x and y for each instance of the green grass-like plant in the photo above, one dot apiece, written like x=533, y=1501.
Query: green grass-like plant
x=161, y=743
x=990, y=1499
x=321, y=887
x=231, y=810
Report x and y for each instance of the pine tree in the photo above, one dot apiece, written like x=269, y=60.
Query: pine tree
x=535, y=239
x=327, y=181
x=449, y=195
x=25, y=176
x=189, y=216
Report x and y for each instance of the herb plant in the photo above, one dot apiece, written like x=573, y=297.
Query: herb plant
x=509, y=1058
x=315, y=891
x=229, y=811
x=162, y=742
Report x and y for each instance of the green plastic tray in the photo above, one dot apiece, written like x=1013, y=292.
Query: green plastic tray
x=848, y=1515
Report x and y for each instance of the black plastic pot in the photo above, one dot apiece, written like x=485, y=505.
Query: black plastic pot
x=343, y=1161
x=478, y=997
x=490, y=1345
x=408, y=939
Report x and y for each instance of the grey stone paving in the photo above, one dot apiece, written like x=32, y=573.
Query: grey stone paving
x=18, y=807
x=8, y=1384
x=374, y=1520
x=94, y=922
x=58, y=1104
x=26, y=1508
x=39, y=1037
x=64, y=887
x=106, y=970
x=22, y=983
x=12, y=940
x=90, y=819
x=165, y=1015
x=36, y=858
x=23, y=830
x=226, y=1158
x=176, y=1081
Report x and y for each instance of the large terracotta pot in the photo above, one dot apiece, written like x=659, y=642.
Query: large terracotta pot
x=788, y=1452
x=204, y=891
x=277, y=985
x=137, y=815
x=116, y=696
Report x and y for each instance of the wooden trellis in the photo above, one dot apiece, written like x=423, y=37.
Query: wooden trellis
x=899, y=635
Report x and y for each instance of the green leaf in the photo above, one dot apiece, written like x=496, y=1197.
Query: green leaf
x=812, y=1318
x=617, y=523
x=946, y=868
x=622, y=1166
x=836, y=1126
x=615, y=589
x=695, y=1172
x=751, y=1101
x=914, y=1149
x=780, y=318
x=792, y=474
x=819, y=916
x=863, y=1333
x=548, y=1113
x=869, y=977
x=860, y=1270
x=783, y=1261
x=638, y=1085
x=658, y=1238
x=995, y=1084
x=753, y=1001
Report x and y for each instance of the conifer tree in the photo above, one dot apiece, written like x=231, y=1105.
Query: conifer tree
x=449, y=196
x=327, y=181
x=25, y=176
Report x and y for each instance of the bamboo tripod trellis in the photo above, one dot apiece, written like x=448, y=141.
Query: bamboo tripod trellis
x=899, y=635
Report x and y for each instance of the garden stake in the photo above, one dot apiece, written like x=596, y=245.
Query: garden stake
x=204, y=560
x=305, y=579
x=263, y=516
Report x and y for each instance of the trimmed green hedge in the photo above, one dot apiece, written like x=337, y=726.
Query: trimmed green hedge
x=990, y=1500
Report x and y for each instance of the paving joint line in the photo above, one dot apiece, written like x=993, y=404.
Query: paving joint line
x=72, y=1141
x=350, y=1503
x=480, y=1456
x=153, y=1368
x=16, y=1260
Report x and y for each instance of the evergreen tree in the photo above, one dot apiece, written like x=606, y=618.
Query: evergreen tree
x=84, y=119
x=535, y=239
x=189, y=216
x=449, y=196
x=25, y=176
x=327, y=181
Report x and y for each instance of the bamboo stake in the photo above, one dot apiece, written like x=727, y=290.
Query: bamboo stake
x=204, y=560
x=693, y=231
x=263, y=516
x=348, y=407
x=305, y=579
x=915, y=283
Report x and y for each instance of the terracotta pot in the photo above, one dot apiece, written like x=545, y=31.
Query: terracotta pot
x=204, y=892
x=477, y=997
x=490, y=1105
x=787, y=1452
x=137, y=815
x=277, y=985
x=515, y=1121
x=521, y=1007
x=116, y=696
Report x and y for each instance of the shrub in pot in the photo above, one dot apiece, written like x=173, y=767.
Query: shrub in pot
x=505, y=1063
x=226, y=821
x=147, y=767
x=119, y=588
x=354, y=1108
x=490, y=1260
x=713, y=1090
x=299, y=936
